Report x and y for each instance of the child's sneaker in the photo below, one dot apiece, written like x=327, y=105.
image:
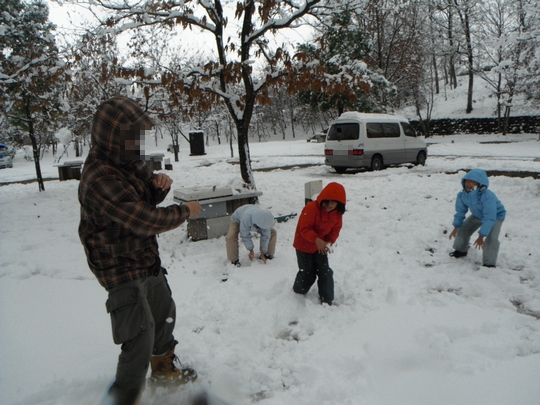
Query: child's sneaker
x=236, y=263
x=269, y=256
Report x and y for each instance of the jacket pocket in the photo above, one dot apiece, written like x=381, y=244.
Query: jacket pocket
x=128, y=314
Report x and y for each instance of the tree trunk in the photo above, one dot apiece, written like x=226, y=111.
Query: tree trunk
x=451, y=65
x=470, y=92
x=244, y=155
x=452, y=74
x=176, y=147
x=340, y=108
x=470, y=58
x=506, y=119
x=35, y=151
x=436, y=74
x=230, y=145
x=292, y=122
x=35, y=148
x=218, y=134
x=423, y=123
x=499, y=94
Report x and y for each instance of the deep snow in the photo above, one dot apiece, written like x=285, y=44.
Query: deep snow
x=410, y=326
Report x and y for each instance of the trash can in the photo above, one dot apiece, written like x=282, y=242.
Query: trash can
x=196, y=143
x=69, y=170
x=155, y=160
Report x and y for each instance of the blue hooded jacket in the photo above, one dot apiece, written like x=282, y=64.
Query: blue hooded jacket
x=254, y=218
x=482, y=202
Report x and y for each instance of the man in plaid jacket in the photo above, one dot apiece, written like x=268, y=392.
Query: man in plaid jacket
x=119, y=222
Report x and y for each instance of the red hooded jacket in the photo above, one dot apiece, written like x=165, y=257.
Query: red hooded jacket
x=315, y=222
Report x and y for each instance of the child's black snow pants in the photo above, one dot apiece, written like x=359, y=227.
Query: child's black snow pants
x=314, y=266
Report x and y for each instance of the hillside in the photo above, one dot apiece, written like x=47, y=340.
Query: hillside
x=451, y=103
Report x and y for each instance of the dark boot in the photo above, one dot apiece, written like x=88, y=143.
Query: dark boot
x=117, y=396
x=457, y=254
x=165, y=372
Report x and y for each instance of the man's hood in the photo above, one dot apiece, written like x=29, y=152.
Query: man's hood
x=333, y=191
x=112, y=117
x=478, y=175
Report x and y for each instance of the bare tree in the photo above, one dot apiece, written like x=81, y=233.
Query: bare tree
x=465, y=10
x=396, y=31
x=444, y=13
x=513, y=70
x=495, y=45
x=228, y=76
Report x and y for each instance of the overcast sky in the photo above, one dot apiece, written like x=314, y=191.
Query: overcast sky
x=70, y=19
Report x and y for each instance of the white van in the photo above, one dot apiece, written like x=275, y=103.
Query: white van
x=372, y=141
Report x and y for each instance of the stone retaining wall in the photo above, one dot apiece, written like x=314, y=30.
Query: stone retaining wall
x=450, y=126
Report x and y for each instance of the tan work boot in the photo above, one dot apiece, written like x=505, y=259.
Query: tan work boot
x=165, y=372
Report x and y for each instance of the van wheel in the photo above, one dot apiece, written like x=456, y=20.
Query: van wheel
x=340, y=169
x=421, y=159
x=376, y=163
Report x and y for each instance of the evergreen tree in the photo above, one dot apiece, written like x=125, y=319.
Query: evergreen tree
x=341, y=51
x=30, y=70
x=94, y=66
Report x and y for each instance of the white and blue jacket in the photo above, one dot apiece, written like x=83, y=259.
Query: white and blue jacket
x=482, y=202
x=254, y=218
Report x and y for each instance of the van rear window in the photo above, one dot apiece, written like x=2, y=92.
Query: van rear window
x=384, y=130
x=343, y=132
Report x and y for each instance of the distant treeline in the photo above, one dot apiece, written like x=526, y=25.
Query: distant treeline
x=450, y=126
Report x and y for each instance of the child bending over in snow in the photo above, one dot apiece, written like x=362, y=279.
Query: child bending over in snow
x=246, y=219
x=317, y=230
x=487, y=213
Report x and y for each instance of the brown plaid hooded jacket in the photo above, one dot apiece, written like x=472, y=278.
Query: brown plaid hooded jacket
x=119, y=218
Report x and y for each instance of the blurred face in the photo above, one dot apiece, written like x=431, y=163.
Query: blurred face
x=471, y=185
x=329, y=205
x=132, y=139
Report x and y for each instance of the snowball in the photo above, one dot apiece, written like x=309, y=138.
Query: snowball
x=64, y=136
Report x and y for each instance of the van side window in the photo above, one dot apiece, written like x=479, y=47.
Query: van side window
x=391, y=130
x=374, y=130
x=386, y=130
x=343, y=132
x=408, y=130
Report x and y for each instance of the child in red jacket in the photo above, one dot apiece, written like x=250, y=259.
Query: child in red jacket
x=317, y=230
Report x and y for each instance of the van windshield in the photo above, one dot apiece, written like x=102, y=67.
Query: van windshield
x=343, y=132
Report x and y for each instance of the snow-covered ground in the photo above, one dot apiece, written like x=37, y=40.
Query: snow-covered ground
x=410, y=326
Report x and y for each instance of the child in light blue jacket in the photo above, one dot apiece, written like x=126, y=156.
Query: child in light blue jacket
x=487, y=215
x=245, y=220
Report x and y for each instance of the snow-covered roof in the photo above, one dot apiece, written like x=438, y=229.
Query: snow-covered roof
x=357, y=116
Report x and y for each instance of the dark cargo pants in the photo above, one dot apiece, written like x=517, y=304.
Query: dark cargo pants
x=314, y=266
x=143, y=315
